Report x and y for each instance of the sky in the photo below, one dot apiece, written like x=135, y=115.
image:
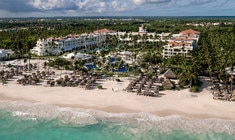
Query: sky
x=55, y=8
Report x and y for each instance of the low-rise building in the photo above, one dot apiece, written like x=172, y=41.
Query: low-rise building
x=143, y=35
x=181, y=44
x=6, y=53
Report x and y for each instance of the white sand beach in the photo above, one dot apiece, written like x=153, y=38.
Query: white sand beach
x=114, y=99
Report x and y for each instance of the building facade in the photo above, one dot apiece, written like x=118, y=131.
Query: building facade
x=55, y=46
x=143, y=35
x=181, y=44
x=6, y=53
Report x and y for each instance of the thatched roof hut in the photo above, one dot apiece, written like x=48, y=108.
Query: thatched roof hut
x=168, y=84
x=169, y=74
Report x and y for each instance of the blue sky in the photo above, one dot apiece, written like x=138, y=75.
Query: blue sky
x=50, y=8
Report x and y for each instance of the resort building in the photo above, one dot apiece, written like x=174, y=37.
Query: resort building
x=6, y=53
x=143, y=35
x=55, y=46
x=105, y=32
x=181, y=44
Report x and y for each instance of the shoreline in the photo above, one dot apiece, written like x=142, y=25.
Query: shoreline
x=122, y=108
x=119, y=109
x=169, y=102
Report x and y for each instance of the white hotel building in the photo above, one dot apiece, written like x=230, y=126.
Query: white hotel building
x=55, y=46
x=181, y=44
x=5, y=53
x=177, y=44
x=150, y=36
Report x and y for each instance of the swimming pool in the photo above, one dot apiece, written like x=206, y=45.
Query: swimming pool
x=91, y=66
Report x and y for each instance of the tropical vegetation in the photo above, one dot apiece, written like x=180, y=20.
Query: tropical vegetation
x=214, y=54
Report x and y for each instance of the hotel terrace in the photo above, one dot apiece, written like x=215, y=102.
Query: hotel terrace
x=181, y=44
x=55, y=46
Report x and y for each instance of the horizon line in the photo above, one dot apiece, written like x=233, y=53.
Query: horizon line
x=103, y=17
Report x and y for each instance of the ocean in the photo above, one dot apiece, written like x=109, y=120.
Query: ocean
x=37, y=121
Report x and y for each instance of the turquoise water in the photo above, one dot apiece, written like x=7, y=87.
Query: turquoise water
x=26, y=121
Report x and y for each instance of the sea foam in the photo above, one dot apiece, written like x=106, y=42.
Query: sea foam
x=139, y=122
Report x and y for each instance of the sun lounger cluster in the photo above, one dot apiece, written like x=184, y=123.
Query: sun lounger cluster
x=34, y=78
x=76, y=79
x=222, y=93
x=28, y=67
x=144, y=86
x=30, y=75
x=6, y=75
x=13, y=71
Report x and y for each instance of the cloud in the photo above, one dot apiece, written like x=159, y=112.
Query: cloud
x=16, y=6
x=52, y=4
x=86, y=6
x=111, y=7
x=91, y=6
x=121, y=6
x=192, y=2
x=139, y=2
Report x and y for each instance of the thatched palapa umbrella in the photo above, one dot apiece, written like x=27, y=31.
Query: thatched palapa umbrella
x=168, y=84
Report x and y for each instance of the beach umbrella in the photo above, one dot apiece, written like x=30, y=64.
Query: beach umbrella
x=129, y=88
x=138, y=91
x=149, y=85
x=156, y=91
x=170, y=74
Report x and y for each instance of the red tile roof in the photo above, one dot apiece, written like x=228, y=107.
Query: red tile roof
x=190, y=31
x=179, y=39
x=173, y=43
x=104, y=31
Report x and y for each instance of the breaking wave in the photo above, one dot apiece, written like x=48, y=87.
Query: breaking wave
x=138, y=122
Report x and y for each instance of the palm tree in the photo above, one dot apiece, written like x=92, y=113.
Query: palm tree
x=8, y=56
x=29, y=57
x=231, y=81
x=25, y=60
x=62, y=50
x=120, y=65
x=187, y=73
x=191, y=76
x=134, y=55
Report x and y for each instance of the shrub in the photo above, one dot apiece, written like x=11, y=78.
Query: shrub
x=59, y=81
x=118, y=80
x=183, y=82
x=123, y=75
x=161, y=88
x=194, y=89
x=37, y=80
x=9, y=65
x=99, y=87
